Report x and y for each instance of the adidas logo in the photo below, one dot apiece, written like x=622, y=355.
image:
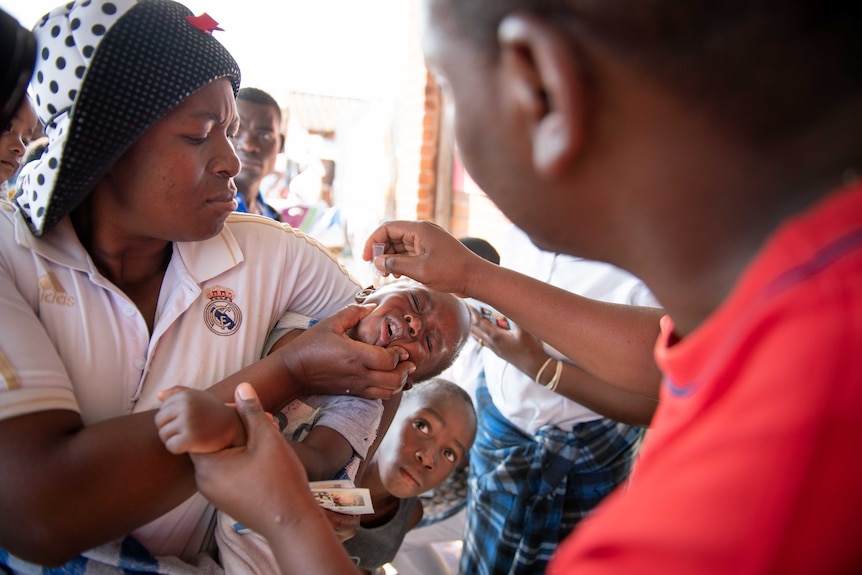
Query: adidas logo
x=50, y=291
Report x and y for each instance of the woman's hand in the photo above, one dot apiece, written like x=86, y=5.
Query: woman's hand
x=327, y=361
x=257, y=484
x=427, y=253
x=263, y=485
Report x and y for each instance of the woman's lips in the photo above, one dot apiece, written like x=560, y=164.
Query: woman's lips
x=227, y=202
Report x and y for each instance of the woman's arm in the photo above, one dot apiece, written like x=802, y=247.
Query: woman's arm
x=66, y=487
x=274, y=499
x=527, y=354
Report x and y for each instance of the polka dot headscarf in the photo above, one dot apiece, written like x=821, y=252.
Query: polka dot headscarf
x=106, y=71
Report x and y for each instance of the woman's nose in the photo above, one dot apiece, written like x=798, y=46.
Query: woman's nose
x=226, y=162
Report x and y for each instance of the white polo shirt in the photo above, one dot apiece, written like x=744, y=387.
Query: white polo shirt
x=69, y=339
x=527, y=405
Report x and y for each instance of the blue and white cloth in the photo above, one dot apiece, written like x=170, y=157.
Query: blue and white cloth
x=122, y=557
x=526, y=494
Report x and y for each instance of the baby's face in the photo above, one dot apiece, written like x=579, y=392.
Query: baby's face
x=430, y=325
x=428, y=439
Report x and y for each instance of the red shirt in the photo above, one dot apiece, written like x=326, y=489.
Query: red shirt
x=753, y=463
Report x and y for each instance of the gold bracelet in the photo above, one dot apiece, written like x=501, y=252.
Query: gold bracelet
x=552, y=385
x=542, y=369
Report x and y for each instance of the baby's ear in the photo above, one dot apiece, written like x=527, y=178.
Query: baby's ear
x=364, y=293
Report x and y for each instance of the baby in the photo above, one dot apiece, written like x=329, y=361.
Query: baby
x=330, y=434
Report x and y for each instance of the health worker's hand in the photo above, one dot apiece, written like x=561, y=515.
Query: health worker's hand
x=427, y=253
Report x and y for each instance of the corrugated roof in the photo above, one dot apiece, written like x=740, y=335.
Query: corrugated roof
x=317, y=113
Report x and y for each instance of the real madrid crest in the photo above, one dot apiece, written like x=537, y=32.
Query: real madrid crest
x=221, y=315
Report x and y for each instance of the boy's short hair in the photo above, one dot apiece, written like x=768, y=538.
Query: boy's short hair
x=445, y=386
x=258, y=96
x=766, y=68
x=482, y=248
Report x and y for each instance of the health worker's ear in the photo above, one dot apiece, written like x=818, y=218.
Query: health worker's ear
x=547, y=84
x=361, y=295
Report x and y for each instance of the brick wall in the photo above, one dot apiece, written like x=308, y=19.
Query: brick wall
x=431, y=183
x=417, y=138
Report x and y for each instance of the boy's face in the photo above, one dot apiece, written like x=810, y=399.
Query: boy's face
x=15, y=138
x=257, y=142
x=428, y=439
x=430, y=325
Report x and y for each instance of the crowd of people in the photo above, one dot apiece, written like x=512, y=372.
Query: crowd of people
x=660, y=374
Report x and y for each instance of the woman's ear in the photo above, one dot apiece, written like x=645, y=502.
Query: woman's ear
x=363, y=294
x=548, y=85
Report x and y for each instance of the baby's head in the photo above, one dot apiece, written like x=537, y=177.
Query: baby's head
x=429, y=438
x=432, y=326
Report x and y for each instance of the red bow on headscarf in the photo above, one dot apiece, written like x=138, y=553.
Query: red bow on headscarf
x=204, y=22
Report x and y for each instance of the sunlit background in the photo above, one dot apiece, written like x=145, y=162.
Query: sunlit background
x=351, y=74
x=333, y=47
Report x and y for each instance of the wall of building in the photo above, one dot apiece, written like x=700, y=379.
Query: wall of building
x=431, y=183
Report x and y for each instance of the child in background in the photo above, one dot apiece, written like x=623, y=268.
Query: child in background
x=331, y=434
x=428, y=440
x=14, y=140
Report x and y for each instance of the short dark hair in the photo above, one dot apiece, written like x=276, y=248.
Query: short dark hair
x=482, y=248
x=258, y=96
x=445, y=386
x=444, y=363
x=766, y=68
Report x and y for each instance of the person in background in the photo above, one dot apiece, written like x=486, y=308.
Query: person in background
x=35, y=149
x=553, y=439
x=258, y=141
x=427, y=441
x=467, y=368
x=125, y=272
x=14, y=139
x=17, y=61
x=33, y=152
x=713, y=153
x=482, y=248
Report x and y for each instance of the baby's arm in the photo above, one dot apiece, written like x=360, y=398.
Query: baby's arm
x=323, y=452
x=195, y=421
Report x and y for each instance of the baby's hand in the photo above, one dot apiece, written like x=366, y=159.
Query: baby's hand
x=195, y=421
